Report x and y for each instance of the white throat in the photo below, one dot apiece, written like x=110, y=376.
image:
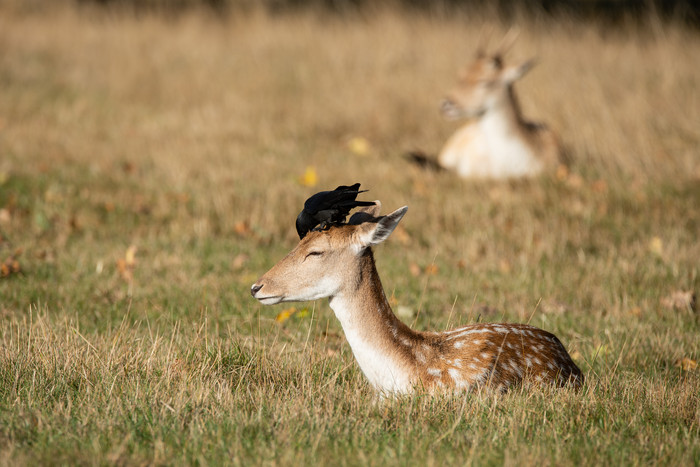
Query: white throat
x=510, y=155
x=379, y=360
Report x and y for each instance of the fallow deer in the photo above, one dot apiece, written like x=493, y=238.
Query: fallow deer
x=338, y=263
x=497, y=141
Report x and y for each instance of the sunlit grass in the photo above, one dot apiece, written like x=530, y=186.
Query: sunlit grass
x=151, y=170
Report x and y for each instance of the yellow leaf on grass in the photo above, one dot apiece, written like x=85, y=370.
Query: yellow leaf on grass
x=600, y=351
x=303, y=313
x=359, y=146
x=242, y=228
x=285, y=314
x=126, y=265
x=686, y=364
x=656, y=246
x=310, y=177
x=130, y=256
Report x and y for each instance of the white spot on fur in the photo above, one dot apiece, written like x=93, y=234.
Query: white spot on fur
x=459, y=344
x=434, y=371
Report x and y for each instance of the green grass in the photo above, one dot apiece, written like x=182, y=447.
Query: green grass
x=186, y=139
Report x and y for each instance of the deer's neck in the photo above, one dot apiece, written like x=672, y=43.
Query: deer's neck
x=508, y=137
x=380, y=342
x=505, y=117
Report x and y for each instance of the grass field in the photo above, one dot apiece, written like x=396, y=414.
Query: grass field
x=151, y=170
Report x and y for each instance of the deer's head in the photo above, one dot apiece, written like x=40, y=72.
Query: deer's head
x=483, y=86
x=326, y=263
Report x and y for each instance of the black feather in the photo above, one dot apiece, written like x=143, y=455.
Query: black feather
x=328, y=208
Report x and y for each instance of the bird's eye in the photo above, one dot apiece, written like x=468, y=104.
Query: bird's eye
x=314, y=253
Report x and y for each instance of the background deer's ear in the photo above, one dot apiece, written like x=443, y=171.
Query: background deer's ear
x=513, y=73
x=366, y=213
x=373, y=233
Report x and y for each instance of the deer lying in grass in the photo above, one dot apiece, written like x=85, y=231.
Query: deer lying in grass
x=497, y=141
x=338, y=263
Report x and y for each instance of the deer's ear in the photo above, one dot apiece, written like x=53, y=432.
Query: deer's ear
x=513, y=73
x=373, y=233
x=366, y=213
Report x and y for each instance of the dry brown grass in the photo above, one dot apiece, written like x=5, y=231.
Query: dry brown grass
x=186, y=138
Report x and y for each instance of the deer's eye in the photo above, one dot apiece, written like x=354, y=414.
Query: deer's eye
x=314, y=253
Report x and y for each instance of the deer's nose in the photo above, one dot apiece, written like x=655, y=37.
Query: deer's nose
x=255, y=288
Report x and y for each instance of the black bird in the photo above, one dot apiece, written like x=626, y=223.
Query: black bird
x=329, y=207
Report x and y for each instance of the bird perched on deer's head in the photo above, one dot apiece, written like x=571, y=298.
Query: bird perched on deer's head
x=327, y=208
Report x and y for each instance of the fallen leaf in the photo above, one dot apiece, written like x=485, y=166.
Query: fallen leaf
x=635, y=311
x=686, y=364
x=656, y=246
x=359, y=146
x=414, y=269
x=239, y=261
x=126, y=265
x=310, y=177
x=461, y=264
x=562, y=172
x=242, y=228
x=504, y=266
x=130, y=256
x=600, y=350
x=599, y=186
x=128, y=167
x=285, y=314
x=575, y=355
x=431, y=269
x=10, y=265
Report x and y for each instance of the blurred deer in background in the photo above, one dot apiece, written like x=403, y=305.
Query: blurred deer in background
x=338, y=263
x=497, y=141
